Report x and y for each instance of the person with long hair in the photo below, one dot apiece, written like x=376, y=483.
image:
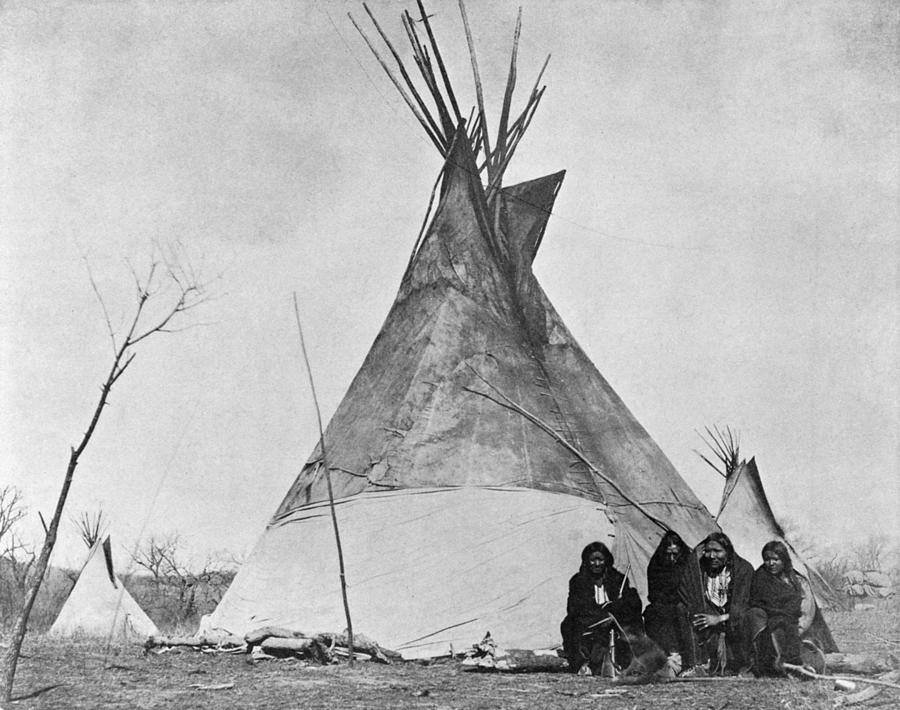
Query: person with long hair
x=776, y=599
x=715, y=589
x=601, y=600
x=666, y=617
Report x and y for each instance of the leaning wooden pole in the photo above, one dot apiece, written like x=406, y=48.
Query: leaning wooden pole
x=409, y=102
x=479, y=94
x=440, y=62
x=420, y=56
x=409, y=82
x=337, y=532
x=503, y=129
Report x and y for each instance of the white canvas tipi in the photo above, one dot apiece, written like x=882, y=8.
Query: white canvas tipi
x=99, y=604
x=747, y=518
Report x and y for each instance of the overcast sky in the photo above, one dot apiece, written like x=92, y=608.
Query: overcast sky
x=725, y=245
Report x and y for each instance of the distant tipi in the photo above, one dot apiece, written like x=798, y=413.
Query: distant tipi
x=476, y=451
x=747, y=518
x=99, y=604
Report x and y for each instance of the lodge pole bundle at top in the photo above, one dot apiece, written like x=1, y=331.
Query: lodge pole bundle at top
x=442, y=130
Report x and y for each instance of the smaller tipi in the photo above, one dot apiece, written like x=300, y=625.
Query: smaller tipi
x=99, y=604
x=747, y=518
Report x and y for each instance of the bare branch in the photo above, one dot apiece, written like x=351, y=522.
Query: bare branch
x=121, y=369
x=191, y=296
x=109, y=326
x=12, y=509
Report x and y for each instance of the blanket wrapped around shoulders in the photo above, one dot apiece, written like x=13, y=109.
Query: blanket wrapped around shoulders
x=784, y=602
x=583, y=644
x=780, y=599
x=730, y=649
x=692, y=590
x=624, y=603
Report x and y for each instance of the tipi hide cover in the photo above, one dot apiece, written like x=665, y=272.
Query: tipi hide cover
x=475, y=453
x=99, y=604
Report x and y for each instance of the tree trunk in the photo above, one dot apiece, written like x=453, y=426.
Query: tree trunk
x=11, y=657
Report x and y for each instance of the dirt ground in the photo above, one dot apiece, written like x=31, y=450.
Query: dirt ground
x=88, y=675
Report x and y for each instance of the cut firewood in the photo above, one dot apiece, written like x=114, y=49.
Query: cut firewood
x=275, y=645
x=259, y=635
x=361, y=643
x=345, y=653
x=217, y=640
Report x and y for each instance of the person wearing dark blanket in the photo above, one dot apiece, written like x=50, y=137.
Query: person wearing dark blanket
x=715, y=589
x=776, y=599
x=598, y=593
x=666, y=617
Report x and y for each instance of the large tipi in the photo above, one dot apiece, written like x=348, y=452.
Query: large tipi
x=476, y=451
x=99, y=604
x=747, y=518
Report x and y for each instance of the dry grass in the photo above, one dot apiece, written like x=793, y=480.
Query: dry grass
x=875, y=630
x=83, y=674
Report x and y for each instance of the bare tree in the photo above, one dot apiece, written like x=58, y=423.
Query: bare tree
x=213, y=579
x=12, y=510
x=16, y=557
x=159, y=555
x=163, y=296
x=181, y=590
x=869, y=554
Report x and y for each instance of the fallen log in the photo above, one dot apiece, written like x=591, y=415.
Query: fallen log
x=362, y=644
x=517, y=661
x=216, y=640
x=306, y=648
x=261, y=634
x=159, y=640
x=275, y=645
x=357, y=655
x=864, y=664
